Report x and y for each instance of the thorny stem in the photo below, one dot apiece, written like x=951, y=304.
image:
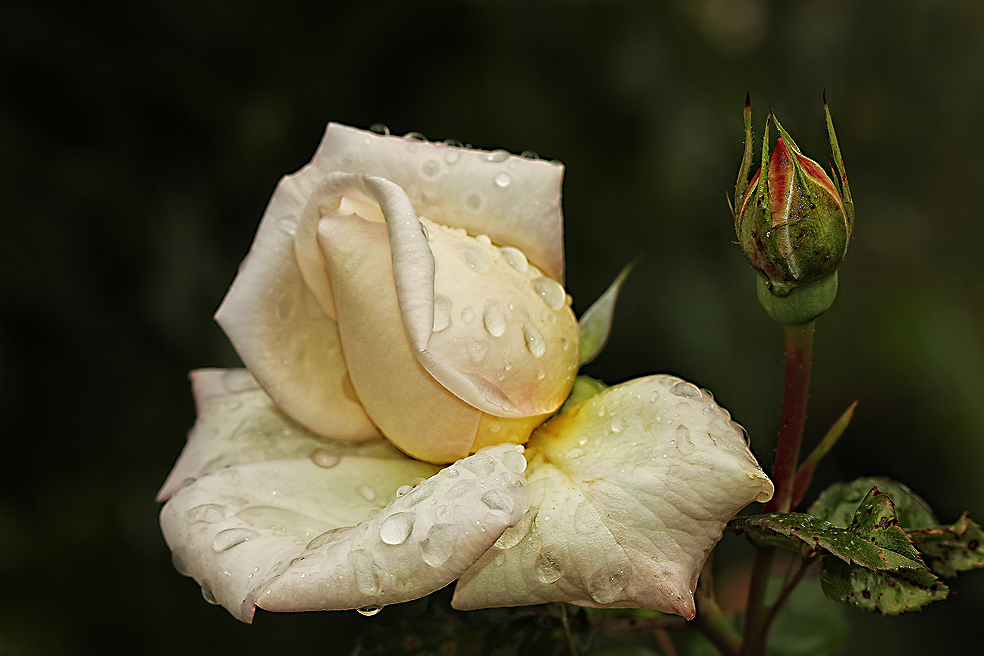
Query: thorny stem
x=799, y=351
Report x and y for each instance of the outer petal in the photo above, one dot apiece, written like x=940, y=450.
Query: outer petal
x=279, y=316
x=513, y=200
x=238, y=423
x=411, y=408
x=290, y=535
x=629, y=492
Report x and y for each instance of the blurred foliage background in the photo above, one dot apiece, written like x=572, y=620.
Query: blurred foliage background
x=140, y=142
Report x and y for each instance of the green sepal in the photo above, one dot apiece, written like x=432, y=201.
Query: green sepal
x=791, y=305
x=596, y=322
x=839, y=503
x=584, y=388
x=885, y=593
x=950, y=549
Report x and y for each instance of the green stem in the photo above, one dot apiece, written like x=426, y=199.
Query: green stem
x=799, y=351
x=714, y=624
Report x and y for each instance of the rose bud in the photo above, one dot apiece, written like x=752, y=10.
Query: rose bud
x=793, y=222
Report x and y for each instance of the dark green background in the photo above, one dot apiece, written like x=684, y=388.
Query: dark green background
x=140, y=141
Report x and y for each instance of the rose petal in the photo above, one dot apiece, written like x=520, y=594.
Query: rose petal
x=629, y=492
x=410, y=407
x=238, y=423
x=279, y=315
x=513, y=200
x=501, y=334
x=290, y=535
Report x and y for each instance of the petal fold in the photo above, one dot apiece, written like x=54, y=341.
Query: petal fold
x=293, y=535
x=629, y=491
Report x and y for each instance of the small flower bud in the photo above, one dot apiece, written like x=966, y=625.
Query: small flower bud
x=793, y=222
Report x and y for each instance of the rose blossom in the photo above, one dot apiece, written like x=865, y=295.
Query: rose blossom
x=407, y=294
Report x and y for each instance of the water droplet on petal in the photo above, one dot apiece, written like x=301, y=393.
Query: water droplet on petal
x=396, y=528
x=497, y=156
x=547, y=568
x=208, y=513
x=442, y=312
x=494, y=318
x=529, y=154
x=515, y=258
x=208, y=594
x=430, y=168
x=618, y=424
x=324, y=458
x=479, y=464
x=327, y=536
x=477, y=350
x=460, y=489
x=575, y=452
x=414, y=136
x=467, y=315
x=550, y=291
x=379, y=128
x=514, y=461
x=369, y=611
x=686, y=390
x=177, y=560
x=232, y=536
x=437, y=547
x=477, y=259
x=367, y=492
x=498, y=500
x=420, y=493
x=535, y=342
x=365, y=572
x=605, y=586
x=502, y=179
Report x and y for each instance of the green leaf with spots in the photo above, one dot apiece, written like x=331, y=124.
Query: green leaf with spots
x=885, y=593
x=876, y=522
x=839, y=502
x=951, y=549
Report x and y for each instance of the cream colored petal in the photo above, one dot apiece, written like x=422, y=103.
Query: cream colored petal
x=629, y=491
x=279, y=313
x=410, y=407
x=291, y=535
x=513, y=200
x=238, y=423
x=501, y=334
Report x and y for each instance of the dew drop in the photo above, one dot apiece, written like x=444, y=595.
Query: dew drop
x=430, y=168
x=369, y=611
x=550, y=291
x=498, y=500
x=452, y=156
x=208, y=593
x=575, y=452
x=480, y=464
x=460, y=489
x=328, y=536
x=436, y=548
x=365, y=572
x=442, y=312
x=477, y=350
x=232, y=536
x=379, y=128
x=178, y=562
x=606, y=585
x=396, y=528
x=547, y=568
x=686, y=390
x=502, y=179
x=324, y=458
x=617, y=425
x=529, y=154
x=414, y=136
x=684, y=442
x=419, y=493
x=535, y=342
x=494, y=318
x=514, y=461
x=367, y=492
x=208, y=513
x=475, y=257
x=468, y=314
x=497, y=156
x=515, y=258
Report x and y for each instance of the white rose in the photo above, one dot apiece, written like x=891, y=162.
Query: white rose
x=406, y=293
